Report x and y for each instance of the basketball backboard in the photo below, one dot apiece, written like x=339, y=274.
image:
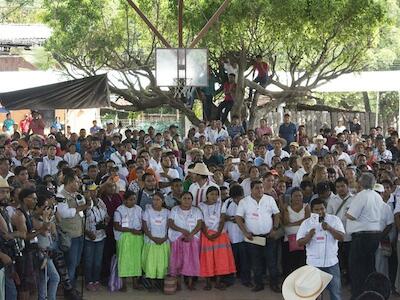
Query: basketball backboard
x=181, y=66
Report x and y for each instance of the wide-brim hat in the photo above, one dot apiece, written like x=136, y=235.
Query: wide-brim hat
x=279, y=139
x=4, y=184
x=312, y=157
x=295, y=144
x=155, y=147
x=305, y=283
x=200, y=169
x=208, y=144
x=195, y=151
x=319, y=138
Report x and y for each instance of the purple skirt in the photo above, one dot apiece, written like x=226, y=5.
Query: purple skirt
x=185, y=258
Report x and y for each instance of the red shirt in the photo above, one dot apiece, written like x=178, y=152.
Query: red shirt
x=229, y=88
x=37, y=126
x=24, y=125
x=262, y=69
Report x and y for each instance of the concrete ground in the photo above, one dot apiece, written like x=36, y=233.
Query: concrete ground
x=236, y=292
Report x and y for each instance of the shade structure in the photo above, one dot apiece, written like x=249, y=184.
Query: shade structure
x=88, y=92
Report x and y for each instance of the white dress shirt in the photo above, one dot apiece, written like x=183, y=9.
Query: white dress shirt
x=271, y=154
x=322, y=250
x=367, y=208
x=333, y=206
x=48, y=166
x=258, y=215
x=120, y=161
x=72, y=159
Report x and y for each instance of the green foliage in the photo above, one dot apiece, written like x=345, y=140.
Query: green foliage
x=313, y=40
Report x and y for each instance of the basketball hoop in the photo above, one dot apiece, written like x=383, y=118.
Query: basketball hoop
x=181, y=69
x=181, y=87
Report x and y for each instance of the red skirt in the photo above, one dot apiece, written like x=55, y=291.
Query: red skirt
x=216, y=257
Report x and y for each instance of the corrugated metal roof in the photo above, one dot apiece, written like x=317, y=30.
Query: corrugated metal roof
x=24, y=34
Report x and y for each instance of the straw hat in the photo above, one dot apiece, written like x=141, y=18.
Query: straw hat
x=208, y=144
x=305, y=283
x=195, y=151
x=201, y=169
x=295, y=144
x=155, y=147
x=307, y=155
x=279, y=139
x=4, y=184
x=379, y=188
x=319, y=138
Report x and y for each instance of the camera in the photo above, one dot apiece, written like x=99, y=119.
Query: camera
x=101, y=225
x=80, y=200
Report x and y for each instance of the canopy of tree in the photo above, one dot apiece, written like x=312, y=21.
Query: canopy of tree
x=313, y=40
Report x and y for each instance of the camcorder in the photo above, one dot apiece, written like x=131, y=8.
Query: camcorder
x=101, y=225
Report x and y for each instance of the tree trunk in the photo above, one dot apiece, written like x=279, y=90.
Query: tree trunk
x=367, y=105
x=253, y=111
x=240, y=90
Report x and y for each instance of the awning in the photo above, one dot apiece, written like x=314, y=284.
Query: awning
x=89, y=92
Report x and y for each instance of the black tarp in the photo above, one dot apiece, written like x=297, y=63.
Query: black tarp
x=89, y=92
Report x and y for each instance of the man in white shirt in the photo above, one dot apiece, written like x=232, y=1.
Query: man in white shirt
x=5, y=172
x=120, y=158
x=338, y=206
x=50, y=162
x=320, y=235
x=364, y=216
x=72, y=157
x=278, y=144
x=201, y=131
x=219, y=132
x=155, y=160
x=307, y=162
x=201, y=183
x=258, y=218
x=236, y=237
x=166, y=174
x=340, y=148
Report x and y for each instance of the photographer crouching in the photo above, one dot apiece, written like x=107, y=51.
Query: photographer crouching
x=71, y=223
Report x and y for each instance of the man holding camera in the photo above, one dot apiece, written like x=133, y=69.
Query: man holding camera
x=9, y=249
x=71, y=210
x=320, y=235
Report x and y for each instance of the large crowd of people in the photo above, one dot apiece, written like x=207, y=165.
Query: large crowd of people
x=220, y=203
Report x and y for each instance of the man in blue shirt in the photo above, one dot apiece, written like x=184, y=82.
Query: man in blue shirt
x=288, y=130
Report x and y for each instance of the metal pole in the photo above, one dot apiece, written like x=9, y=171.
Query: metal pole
x=377, y=109
x=180, y=24
x=398, y=117
x=210, y=23
x=149, y=24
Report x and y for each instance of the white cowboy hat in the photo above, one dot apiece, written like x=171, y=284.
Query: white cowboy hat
x=379, y=188
x=4, y=184
x=279, y=139
x=305, y=283
x=201, y=169
x=319, y=138
x=307, y=155
x=154, y=147
x=193, y=151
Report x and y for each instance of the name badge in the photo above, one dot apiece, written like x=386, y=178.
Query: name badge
x=125, y=223
x=255, y=216
x=192, y=222
x=158, y=221
x=320, y=239
x=213, y=219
